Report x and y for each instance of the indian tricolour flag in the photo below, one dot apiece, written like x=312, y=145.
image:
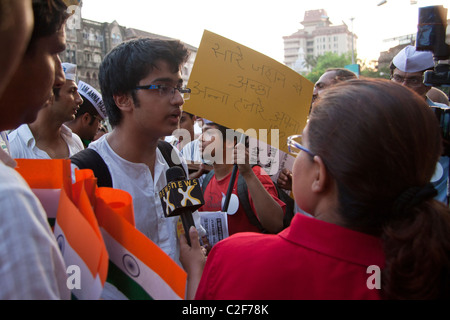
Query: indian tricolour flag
x=47, y=178
x=81, y=247
x=137, y=267
x=75, y=226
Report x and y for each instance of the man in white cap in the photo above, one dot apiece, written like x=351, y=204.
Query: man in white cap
x=90, y=115
x=48, y=137
x=408, y=68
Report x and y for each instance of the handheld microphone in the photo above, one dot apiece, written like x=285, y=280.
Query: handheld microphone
x=181, y=197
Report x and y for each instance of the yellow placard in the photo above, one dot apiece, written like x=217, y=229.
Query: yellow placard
x=241, y=88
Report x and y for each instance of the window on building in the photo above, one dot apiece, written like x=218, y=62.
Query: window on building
x=97, y=58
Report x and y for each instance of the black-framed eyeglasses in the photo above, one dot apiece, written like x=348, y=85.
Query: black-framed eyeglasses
x=410, y=82
x=165, y=91
x=294, y=144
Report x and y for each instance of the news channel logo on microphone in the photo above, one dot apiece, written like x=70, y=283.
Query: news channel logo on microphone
x=179, y=195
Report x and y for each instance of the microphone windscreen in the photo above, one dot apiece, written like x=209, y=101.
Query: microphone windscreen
x=175, y=174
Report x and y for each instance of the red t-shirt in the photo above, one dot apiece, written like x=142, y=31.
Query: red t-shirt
x=311, y=259
x=237, y=222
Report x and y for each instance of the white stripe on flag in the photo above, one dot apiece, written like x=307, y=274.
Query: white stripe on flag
x=90, y=288
x=49, y=199
x=149, y=280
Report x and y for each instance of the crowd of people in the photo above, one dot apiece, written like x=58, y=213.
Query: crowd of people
x=370, y=177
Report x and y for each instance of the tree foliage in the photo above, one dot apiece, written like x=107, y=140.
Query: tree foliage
x=326, y=61
x=333, y=60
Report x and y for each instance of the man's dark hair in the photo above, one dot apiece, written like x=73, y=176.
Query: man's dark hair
x=128, y=63
x=5, y=14
x=222, y=129
x=49, y=16
x=229, y=137
x=343, y=74
x=87, y=107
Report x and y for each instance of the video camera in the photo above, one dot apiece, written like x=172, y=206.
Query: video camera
x=431, y=37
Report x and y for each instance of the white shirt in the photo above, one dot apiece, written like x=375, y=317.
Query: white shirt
x=137, y=180
x=191, y=151
x=23, y=144
x=4, y=142
x=31, y=264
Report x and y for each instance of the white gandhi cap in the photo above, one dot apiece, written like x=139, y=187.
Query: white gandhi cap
x=91, y=94
x=411, y=60
x=70, y=71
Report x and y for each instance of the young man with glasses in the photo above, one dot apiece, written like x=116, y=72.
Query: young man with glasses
x=408, y=68
x=143, y=92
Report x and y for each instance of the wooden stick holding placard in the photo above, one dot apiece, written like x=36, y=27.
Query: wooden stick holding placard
x=232, y=181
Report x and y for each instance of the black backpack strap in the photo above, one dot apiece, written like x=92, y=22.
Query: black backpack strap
x=206, y=179
x=244, y=201
x=90, y=159
x=166, y=150
x=290, y=206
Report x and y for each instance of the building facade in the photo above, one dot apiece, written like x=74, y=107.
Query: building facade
x=87, y=43
x=316, y=38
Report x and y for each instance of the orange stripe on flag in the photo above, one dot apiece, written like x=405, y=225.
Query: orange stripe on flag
x=79, y=233
x=81, y=200
x=46, y=173
x=90, y=182
x=119, y=200
x=137, y=243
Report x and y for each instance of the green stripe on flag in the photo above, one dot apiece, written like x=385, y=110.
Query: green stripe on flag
x=125, y=284
x=51, y=222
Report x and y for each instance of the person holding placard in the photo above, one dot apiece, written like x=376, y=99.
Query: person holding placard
x=266, y=210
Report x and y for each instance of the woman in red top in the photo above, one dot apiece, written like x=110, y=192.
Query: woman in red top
x=364, y=164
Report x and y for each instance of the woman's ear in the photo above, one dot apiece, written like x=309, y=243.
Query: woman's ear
x=322, y=176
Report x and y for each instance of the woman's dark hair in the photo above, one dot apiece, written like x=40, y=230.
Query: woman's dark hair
x=130, y=62
x=378, y=139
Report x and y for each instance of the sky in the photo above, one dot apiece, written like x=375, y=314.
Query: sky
x=261, y=24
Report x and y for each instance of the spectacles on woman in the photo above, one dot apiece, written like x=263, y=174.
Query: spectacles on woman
x=294, y=144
